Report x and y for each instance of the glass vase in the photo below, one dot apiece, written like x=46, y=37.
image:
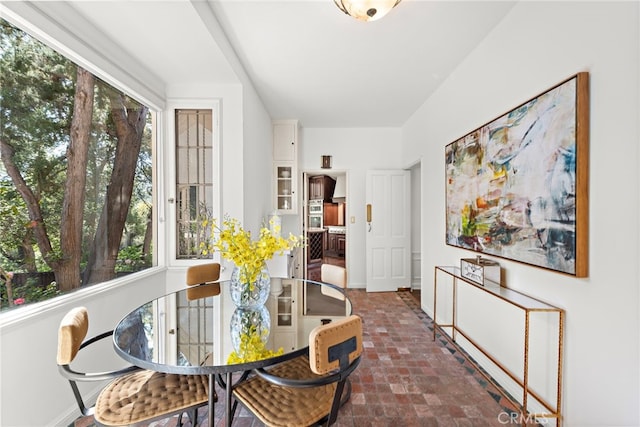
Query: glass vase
x=250, y=332
x=247, y=293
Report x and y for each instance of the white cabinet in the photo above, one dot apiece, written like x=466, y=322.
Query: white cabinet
x=283, y=266
x=285, y=340
x=279, y=267
x=284, y=322
x=285, y=140
x=285, y=166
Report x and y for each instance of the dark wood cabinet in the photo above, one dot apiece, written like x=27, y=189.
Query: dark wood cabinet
x=341, y=244
x=321, y=188
x=335, y=244
x=330, y=244
x=330, y=214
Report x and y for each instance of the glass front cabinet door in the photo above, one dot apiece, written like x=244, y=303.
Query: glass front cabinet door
x=285, y=188
x=285, y=305
x=286, y=318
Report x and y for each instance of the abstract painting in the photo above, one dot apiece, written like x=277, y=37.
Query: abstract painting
x=517, y=187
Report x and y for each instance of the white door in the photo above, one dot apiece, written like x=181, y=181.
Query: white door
x=388, y=222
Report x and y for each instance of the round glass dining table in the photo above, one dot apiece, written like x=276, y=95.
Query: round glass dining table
x=190, y=331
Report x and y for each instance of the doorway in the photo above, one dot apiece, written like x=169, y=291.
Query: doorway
x=324, y=223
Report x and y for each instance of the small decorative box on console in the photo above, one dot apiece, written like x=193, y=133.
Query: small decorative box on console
x=480, y=270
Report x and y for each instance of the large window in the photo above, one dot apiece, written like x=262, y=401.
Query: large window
x=75, y=175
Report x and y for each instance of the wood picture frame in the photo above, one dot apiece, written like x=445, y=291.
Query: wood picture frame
x=517, y=187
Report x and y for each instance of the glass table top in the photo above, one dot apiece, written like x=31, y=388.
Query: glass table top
x=190, y=331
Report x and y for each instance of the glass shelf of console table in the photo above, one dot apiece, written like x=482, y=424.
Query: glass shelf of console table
x=516, y=298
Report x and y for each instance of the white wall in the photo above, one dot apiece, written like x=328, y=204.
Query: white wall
x=33, y=393
x=537, y=45
x=258, y=152
x=354, y=151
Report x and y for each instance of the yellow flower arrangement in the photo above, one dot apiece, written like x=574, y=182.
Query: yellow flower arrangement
x=234, y=244
x=252, y=348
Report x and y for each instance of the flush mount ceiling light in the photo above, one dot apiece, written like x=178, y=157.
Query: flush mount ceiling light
x=366, y=10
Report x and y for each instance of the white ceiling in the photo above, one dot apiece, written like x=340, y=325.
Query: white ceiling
x=306, y=59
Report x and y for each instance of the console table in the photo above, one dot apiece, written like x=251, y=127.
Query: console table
x=525, y=307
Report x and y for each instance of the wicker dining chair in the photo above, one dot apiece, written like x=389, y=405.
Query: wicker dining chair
x=134, y=395
x=202, y=280
x=307, y=390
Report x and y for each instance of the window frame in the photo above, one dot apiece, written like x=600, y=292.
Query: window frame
x=169, y=238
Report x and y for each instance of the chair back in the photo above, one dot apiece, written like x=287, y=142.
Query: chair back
x=334, y=275
x=202, y=274
x=202, y=279
x=336, y=345
x=307, y=391
x=71, y=333
x=133, y=395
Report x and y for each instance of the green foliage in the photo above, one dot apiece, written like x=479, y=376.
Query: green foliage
x=131, y=259
x=36, y=100
x=12, y=226
x=34, y=293
x=30, y=292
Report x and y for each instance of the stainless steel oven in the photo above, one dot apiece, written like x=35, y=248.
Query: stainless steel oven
x=315, y=207
x=315, y=221
x=316, y=214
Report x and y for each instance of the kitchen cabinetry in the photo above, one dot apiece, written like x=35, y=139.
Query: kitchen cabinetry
x=335, y=244
x=334, y=214
x=341, y=244
x=285, y=166
x=330, y=214
x=285, y=310
x=540, y=333
x=321, y=187
x=285, y=140
x=285, y=184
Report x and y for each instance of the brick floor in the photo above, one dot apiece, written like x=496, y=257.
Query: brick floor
x=405, y=378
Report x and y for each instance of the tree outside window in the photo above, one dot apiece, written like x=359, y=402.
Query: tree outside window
x=75, y=175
